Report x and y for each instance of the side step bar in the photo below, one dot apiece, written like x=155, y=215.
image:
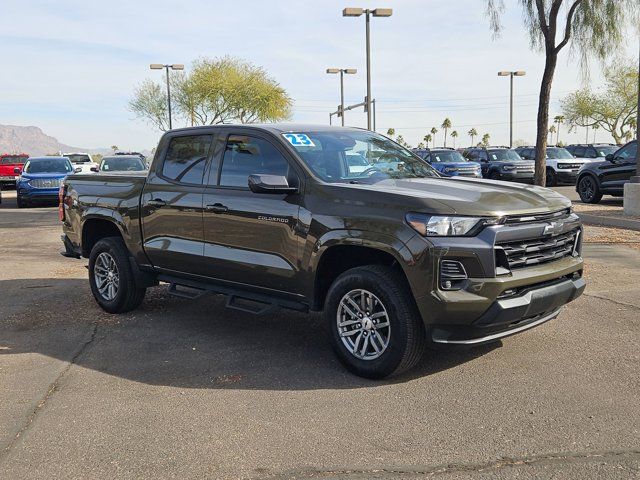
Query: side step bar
x=238, y=299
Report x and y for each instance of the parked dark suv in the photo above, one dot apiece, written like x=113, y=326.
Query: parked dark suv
x=592, y=150
x=609, y=176
x=502, y=163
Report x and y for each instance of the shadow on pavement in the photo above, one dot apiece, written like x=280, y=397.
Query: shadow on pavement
x=189, y=344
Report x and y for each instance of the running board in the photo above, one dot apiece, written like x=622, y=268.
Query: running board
x=237, y=299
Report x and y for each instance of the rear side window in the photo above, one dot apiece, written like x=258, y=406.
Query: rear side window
x=186, y=158
x=245, y=155
x=579, y=152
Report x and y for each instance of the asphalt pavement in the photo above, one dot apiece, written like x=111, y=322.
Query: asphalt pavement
x=189, y=389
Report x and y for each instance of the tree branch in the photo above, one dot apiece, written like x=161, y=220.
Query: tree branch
x=567, y=27
x=542, y=19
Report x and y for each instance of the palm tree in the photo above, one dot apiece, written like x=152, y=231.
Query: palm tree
x=454, y=134
x=421, y=145
x=558, y=119
x=552, y=130
x=472, y=133
x=114, y=148
x=446, y=124
x=391, y=132
x=434, y=130
x=427, y=139
x=485, y=139
x=594, y=128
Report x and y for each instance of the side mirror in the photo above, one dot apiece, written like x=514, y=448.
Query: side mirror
x=270, y=184
x=609, y=158
x=77, y=170
x=94, y=169
x=17, y=170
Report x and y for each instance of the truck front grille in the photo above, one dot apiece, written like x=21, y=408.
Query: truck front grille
x=45, y=182
x=524, y=253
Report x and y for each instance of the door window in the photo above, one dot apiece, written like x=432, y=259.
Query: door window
x=186, y=158
x=628, y=152
x=579, y=152
x=482, y=156
x=245, y=155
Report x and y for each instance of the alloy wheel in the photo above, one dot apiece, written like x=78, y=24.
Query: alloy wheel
x=106, y=276
x=363, y=324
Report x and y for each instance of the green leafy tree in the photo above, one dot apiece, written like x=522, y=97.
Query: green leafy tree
x=595, y=128
x=485, y=140
x=215, y=91
x=472, y=133
x=552, y=130
x=558, y=120
x=421, y=145
x=391, y=132
x=97, y=157
x=114, y=148
x=427, y=139
x=454, y=135
x=446, y=124
x=434, y=130
x=591, y=28
x=613, y=109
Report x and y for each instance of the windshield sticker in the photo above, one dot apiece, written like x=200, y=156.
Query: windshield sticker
x=298, y=139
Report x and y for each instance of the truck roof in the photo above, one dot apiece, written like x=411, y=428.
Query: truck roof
x=273, y=127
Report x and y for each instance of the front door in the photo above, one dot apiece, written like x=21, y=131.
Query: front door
x=251, y=238
x=171, y=203
x=615, y=174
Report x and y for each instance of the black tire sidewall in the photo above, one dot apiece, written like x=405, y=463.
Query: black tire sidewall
x=110, y=245
x=397, y=309
x=551, y=178
x=494, y=175
x=595, y=198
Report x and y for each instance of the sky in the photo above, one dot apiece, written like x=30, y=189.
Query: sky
x=70, y=67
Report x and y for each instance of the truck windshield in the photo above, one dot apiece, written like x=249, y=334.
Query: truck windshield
x=504, y=154
x=78, y=158
x=48, y=165
x=13, y=159
x=356, y=156
x=558, y=153
x=446, y=156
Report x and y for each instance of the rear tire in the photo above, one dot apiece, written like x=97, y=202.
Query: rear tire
x=588, y=189
x=389, y=337
x=111, y=278
x=552, y=178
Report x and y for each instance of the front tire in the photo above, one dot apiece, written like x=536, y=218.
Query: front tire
x=589, y=190
x=494, y=175
x=111, y=278
x=375, y=327
x=20, y=202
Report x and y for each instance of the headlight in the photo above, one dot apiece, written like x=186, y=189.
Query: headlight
x=437, y=225
x=508, y=167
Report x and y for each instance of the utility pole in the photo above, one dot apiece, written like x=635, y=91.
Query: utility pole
x=518, y=73
x=175, y=66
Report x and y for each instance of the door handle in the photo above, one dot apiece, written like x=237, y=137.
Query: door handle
x=216, y=208
x=156, y=202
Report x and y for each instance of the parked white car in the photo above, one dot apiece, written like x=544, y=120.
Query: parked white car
x=562, y=166
x=81, y=160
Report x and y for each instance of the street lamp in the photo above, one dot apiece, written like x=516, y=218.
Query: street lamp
x=342, y=71
x=518, y=73
x=160, y=66
x=376, y=12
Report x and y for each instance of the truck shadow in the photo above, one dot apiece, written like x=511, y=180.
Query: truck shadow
x=185, y=344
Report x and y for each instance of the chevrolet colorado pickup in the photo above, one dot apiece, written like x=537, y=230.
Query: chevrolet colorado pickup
x=395, y=255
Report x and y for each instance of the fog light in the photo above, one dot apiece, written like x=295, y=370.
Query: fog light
x=452, y=275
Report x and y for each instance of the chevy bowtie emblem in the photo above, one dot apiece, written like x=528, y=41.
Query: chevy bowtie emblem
x=554, y=228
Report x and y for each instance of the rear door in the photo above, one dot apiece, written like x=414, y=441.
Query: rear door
x=171, y=202
x=251, y=238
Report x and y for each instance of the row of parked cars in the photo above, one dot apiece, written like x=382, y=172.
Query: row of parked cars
x=596, y=169
x=38, y=179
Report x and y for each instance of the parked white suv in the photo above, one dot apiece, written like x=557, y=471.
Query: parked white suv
x=81, y=160
x=562, y=167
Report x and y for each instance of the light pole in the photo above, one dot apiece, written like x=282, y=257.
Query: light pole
x=376, y=12
x=518, y=73
x=342, y=71
x=160, y=66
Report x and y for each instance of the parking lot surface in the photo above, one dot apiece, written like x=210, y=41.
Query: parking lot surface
x=189, y=389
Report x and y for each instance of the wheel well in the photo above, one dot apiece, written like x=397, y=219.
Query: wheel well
x=95, y=230
x=337, y=260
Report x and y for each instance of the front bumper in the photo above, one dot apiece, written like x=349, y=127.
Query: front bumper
x=567, y=176
x=8, y=178
x=512, y=176
x=38, y=194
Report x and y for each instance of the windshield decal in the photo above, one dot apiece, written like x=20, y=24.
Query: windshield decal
x=299, y=139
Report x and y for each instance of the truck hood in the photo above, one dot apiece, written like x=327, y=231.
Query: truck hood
x=465, y=196
x=456, y=164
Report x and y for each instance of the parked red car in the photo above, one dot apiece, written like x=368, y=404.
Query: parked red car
x=8, y=163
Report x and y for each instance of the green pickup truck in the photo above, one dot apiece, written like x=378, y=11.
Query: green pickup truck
x=338, y=220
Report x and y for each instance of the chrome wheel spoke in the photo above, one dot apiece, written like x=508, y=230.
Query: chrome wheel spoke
x=106, y=276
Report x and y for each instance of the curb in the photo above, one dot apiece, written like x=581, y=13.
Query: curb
x=615, y=222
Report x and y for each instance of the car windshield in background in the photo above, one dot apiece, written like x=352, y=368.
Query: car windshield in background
x=78, y=158
x=122, y=164
x=12, y=159
x=48, y=165
x=558, y=153
x=503, y=155
x=448, y=156
x=605, y=150
x=356, y=156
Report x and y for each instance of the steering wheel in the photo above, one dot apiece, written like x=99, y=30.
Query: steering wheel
x=371, y=171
